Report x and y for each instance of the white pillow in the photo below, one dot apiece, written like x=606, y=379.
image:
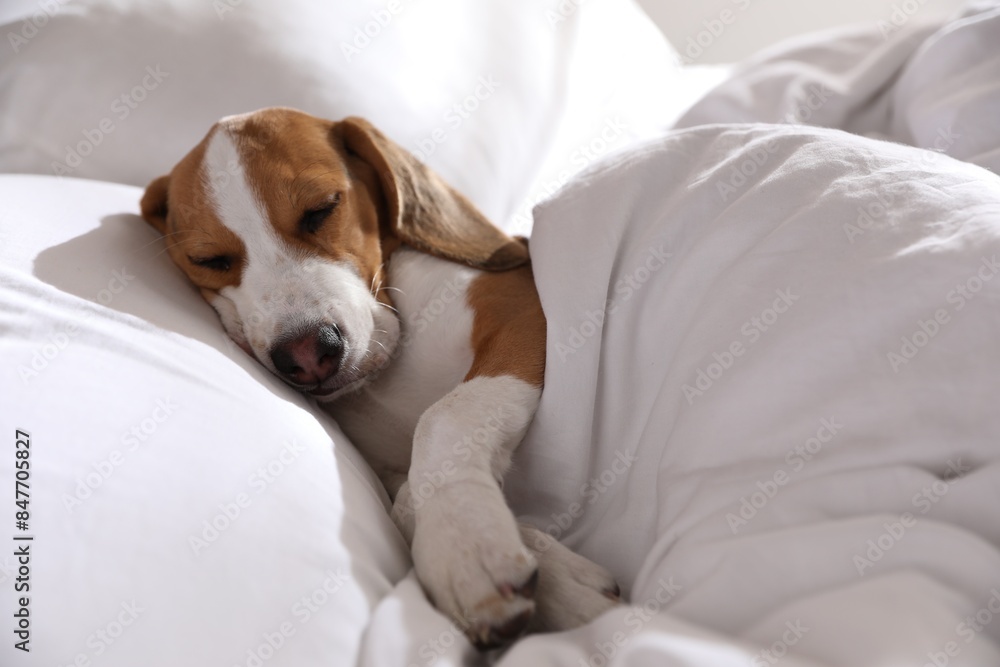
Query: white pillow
x=119, y=91
x=183, y=500
x=625, y=85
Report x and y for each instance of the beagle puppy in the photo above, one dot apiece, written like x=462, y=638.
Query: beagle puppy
x=355, y=274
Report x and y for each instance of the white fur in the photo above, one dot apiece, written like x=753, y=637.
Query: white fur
x=461, y=449
x=477, y=424
x=281, y=290
x=439, y=442
x=431, y=358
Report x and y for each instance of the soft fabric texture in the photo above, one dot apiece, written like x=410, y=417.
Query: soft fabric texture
x=932, y=85
x=772, y=352
x=483, y=92
x=768, y=404
x=771, y=385
x=173, y=479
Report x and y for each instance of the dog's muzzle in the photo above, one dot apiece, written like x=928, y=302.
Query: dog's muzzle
x=308, y=359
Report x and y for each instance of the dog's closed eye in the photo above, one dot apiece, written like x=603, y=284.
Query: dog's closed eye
x=215, y=262
x=313, y=219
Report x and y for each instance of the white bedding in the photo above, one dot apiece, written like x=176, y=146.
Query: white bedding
x=792, y=334
x=650, y=434
x=120, y=90
x=183, y=501
x=769, y=401
x=930, y=85
x=748, y=421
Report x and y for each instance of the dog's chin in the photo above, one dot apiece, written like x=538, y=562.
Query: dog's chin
x=336, y=386
x=351, y=378
x=324, y=394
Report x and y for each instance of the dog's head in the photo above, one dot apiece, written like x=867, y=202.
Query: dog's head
x=285, y=222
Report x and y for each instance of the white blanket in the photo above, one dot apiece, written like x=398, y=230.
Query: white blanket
x=776, y=391
x=770, y=396
x=780, y=433
x=773, y=362
x=927, y=85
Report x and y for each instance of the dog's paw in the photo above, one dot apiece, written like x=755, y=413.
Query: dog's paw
x=471, y=562
x=572, y=590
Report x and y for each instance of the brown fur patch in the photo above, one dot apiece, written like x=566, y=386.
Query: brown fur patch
x=301, y=172
x=178, y=206
x=294, y=163
x=508, y=326
x=425, y=212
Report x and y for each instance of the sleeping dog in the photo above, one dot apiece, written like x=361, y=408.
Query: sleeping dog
x=356, y=275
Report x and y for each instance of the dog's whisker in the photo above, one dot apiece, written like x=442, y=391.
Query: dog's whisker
x=283, y=315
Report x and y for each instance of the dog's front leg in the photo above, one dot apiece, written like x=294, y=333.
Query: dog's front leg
x=466, y=544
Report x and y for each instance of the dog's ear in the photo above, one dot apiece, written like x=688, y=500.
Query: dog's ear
x=154, y=203
x=425, y=212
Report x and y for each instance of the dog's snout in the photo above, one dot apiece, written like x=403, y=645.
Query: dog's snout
x=309, y=358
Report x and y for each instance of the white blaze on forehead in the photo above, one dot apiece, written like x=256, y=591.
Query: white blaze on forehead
x=280, y=288
x=235, y=203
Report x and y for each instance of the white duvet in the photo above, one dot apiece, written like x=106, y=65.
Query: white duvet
x=769, y=403
x=772, y=392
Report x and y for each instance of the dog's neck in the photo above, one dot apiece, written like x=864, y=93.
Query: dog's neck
x=432, y=357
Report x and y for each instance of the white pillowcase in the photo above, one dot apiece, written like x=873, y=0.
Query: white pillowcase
x=120, y=91
x=183, y=500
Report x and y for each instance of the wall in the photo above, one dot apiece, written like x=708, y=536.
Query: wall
x=749, y=25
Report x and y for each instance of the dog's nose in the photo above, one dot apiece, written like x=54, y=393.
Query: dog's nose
x=309, y=358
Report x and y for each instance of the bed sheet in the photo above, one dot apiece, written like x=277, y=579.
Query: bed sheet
x=186, y=506
x=767, y=402
x=812, y=453
x=151, y=430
